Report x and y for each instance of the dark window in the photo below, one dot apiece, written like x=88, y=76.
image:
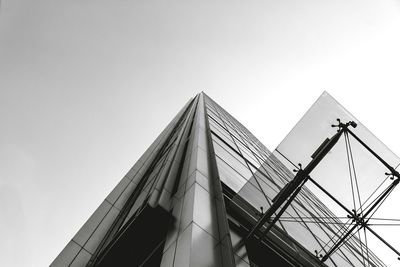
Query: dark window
x=140, y=243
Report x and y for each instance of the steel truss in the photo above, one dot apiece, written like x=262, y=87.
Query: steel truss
x=359, y=218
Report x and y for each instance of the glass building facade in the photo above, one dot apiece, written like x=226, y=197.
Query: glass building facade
x=197, y=193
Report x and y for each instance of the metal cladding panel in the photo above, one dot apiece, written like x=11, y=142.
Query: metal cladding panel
x=86, y=243
x=205, y=183
x=197, y=238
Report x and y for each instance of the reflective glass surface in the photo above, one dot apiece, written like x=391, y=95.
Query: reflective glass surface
x=355, y=172
x=313, y=220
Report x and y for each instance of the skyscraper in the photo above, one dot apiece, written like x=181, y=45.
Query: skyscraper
x=207, y=193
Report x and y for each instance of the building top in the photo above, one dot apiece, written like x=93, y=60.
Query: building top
x=207, y=192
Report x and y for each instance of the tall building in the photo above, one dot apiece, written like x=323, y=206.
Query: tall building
x=208, y=193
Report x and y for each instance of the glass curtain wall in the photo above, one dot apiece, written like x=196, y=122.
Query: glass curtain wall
x=254, y=175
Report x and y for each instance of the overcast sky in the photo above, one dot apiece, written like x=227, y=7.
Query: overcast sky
x=86, y=86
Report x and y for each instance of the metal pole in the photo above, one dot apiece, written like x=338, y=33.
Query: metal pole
x=298, y=180
x=329, y=195
x=326, y=256
x=383, y=240
x=282, y=210
x=361, y=220
x=392, y=170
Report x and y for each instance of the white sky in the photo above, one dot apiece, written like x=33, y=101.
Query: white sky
x=86, y=86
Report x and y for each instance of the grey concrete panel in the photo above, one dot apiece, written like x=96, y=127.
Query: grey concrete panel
x=67, y=255
x=184, y=175
x=187, y=210
x=82, y=259
x=120, y=202
x=200, y=138
x=203, y=181
x=173, y=228
x=91, y=224
x=165, y=199
x=197, y=248
x=199, y=161
x=117, y=191
x=134, y=170
x=204, y=249
x=101, y=230
x=183, y=248
x=204, y=211
x=168, y=256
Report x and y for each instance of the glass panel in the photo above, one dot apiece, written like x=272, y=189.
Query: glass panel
x=349, y=172
x=222, y=133
x=223, y=150
x=229, y=176
x=251, y=193
x=315, y=127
